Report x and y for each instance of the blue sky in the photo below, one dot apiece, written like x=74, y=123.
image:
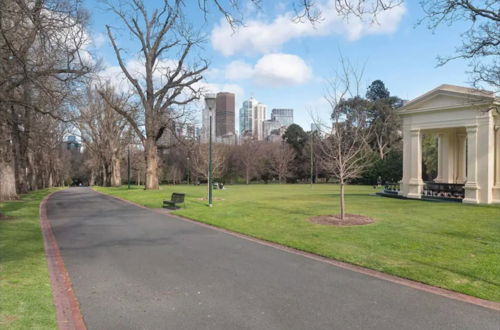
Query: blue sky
x=284, y=65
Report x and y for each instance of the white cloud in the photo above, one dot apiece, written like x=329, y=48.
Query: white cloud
x=263, y=37
x=272, y=70
x=238, y=70
x=135, y=66
x=98, y=39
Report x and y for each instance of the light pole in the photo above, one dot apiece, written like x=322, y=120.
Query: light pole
x=128, y=166
x=210, y=101
x=312, y=161
x=189, y=171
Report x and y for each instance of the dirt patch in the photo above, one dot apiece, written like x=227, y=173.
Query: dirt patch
x=349, y=220
x=213, y=198
x=5, y=217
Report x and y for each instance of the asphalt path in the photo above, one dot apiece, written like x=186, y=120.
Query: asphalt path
x=133, y=268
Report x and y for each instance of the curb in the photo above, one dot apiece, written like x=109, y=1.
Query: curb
x=68, y=312
x=359, y=269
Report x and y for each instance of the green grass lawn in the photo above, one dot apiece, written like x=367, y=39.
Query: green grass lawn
x=449, y=245
x=25, y=291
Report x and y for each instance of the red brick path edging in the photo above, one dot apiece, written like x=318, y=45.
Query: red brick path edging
x=374, y=273
x=67, y=306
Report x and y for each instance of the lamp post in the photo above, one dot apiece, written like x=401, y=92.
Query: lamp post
x=128, y=166
x=210, y=102
x=189, y=171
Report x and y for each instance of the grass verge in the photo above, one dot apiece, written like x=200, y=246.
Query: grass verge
x=449, y=245
x=25, y=290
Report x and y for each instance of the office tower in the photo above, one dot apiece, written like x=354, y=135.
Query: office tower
x=252, y=115
x=259, y=115
x=246, y=117
x=224, y=114
x=284, y=116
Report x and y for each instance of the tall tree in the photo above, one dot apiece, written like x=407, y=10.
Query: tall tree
x=377, y=91
x=43, y=62
x=248, y=155
x=167, y=80
x=105, y=133
x=382, y=117
x=280, y=158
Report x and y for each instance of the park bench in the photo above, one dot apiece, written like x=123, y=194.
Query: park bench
x=177, y=198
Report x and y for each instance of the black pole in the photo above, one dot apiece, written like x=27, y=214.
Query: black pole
x=128, y=167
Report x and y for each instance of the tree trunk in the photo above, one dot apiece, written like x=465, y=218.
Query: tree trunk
x=342, y=202
x=104, y=176
x=7, y=180
x=151, y=154
x=50, y=182
x=92, y=178
x=116, y=177
x=247, y=176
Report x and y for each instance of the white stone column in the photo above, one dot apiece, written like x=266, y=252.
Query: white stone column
x=496, y=185
x=471, y=186
x=460, y=158
x=439, y=177
x=403, y=191
x=415, y=183
x=448, y=155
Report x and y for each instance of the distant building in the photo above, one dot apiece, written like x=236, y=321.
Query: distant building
x=269, y=126
x=246, y=112
x=315, y=127
x=222, y=117
x=72, y=144
x=224, y=114
x=230, y=139
x=284, y=116
x=276, y=135
x=252, y=116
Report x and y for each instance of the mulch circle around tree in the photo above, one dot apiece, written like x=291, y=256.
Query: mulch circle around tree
x=5, y=217
x=217, y=199
x=349, y=220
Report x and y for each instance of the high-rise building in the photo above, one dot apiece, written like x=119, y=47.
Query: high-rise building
x=224, y=114
x=252, y=116
x=259, y=115
x=284, y=116
x=246, y=117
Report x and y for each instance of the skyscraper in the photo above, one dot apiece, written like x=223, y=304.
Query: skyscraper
x=224, y=114
x=246, y=116
x=284, y=116
x=252, y=116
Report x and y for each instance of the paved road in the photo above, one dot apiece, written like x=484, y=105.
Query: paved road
x=136, y=269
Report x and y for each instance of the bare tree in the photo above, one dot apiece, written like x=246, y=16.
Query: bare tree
x=309, y=10
x=199, y=160
x=480, y=43
x=345, y=151
x=248, y=156
x=42, y=64
x=165, y=83
x=104, y=132
x=281, y=156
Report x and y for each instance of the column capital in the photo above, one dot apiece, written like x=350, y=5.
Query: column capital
x=471, y=129
x=415, y=131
